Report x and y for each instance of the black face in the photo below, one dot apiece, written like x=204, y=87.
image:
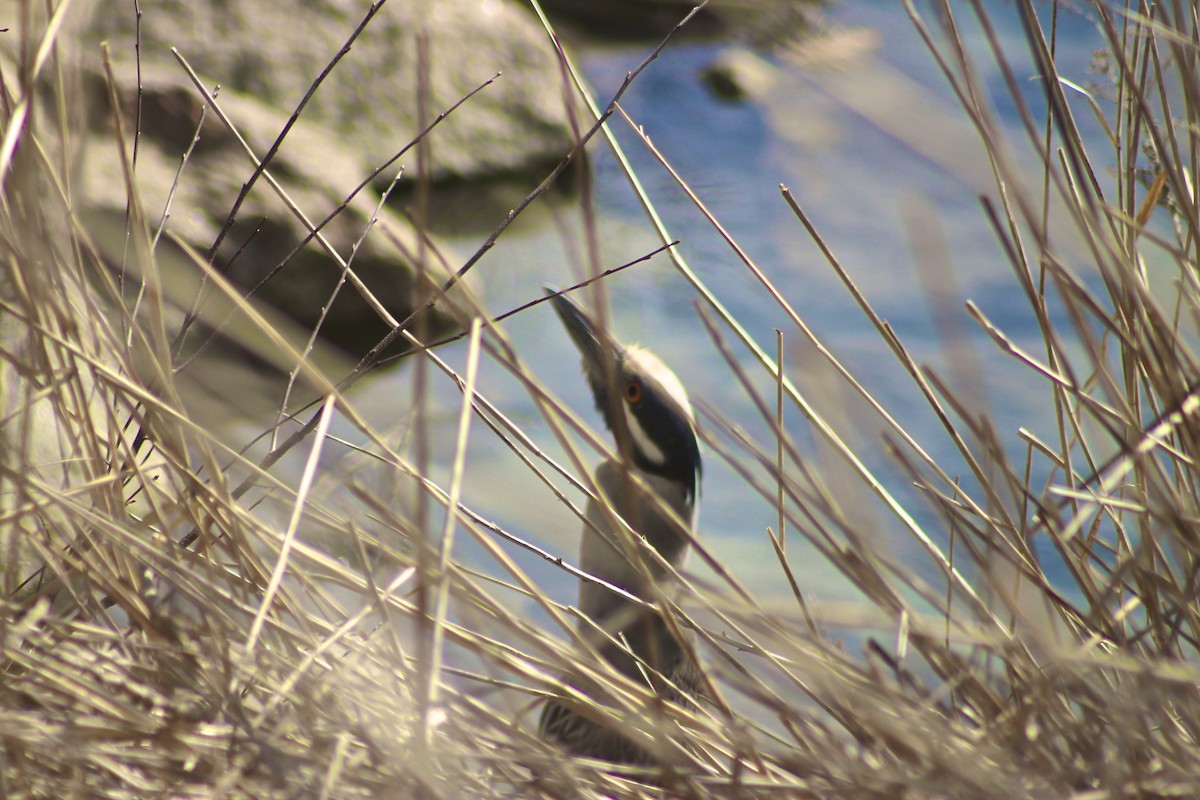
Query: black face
x=668, y=429
x=652, y=429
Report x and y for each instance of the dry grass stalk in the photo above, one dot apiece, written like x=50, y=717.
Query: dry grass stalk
x=169, y=629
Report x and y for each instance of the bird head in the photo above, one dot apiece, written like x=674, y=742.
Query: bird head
x=642, y=401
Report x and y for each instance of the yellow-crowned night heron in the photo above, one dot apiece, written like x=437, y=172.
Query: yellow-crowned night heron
x=647, y=410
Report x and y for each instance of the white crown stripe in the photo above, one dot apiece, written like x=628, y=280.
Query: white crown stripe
x=650, y=365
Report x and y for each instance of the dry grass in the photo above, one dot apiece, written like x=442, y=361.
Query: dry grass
x=170, y=629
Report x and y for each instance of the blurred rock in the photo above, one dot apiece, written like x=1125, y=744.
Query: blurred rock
x=632, y=19
x=274, y=51
x=265, y=57
x=314, y=169
x=762, y=24
x=737, y=74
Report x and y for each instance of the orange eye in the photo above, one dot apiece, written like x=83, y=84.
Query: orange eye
x=633, y=392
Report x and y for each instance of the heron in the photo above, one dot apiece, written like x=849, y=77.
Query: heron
x=653, y=485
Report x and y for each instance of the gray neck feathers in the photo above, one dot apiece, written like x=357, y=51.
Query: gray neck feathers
x=603, y=555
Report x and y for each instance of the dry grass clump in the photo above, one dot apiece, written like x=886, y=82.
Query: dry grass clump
x=170, y=628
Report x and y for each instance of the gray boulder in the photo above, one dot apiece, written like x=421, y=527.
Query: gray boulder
x=265, y=56
x=274, y=51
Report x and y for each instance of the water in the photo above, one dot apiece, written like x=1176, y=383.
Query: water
x=875, y=149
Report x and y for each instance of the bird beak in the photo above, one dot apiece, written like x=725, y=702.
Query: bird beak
x=599, y=353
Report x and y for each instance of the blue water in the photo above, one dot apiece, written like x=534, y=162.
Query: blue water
x=861, y=180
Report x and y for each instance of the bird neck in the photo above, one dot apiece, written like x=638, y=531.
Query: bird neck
x=607, y=552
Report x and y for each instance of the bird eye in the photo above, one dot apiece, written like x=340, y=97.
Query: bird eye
x=633, y=392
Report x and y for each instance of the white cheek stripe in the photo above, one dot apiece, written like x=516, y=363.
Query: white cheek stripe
x=643, y=442
x=695, y=507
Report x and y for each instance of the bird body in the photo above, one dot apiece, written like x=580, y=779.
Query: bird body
x=653, y=487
